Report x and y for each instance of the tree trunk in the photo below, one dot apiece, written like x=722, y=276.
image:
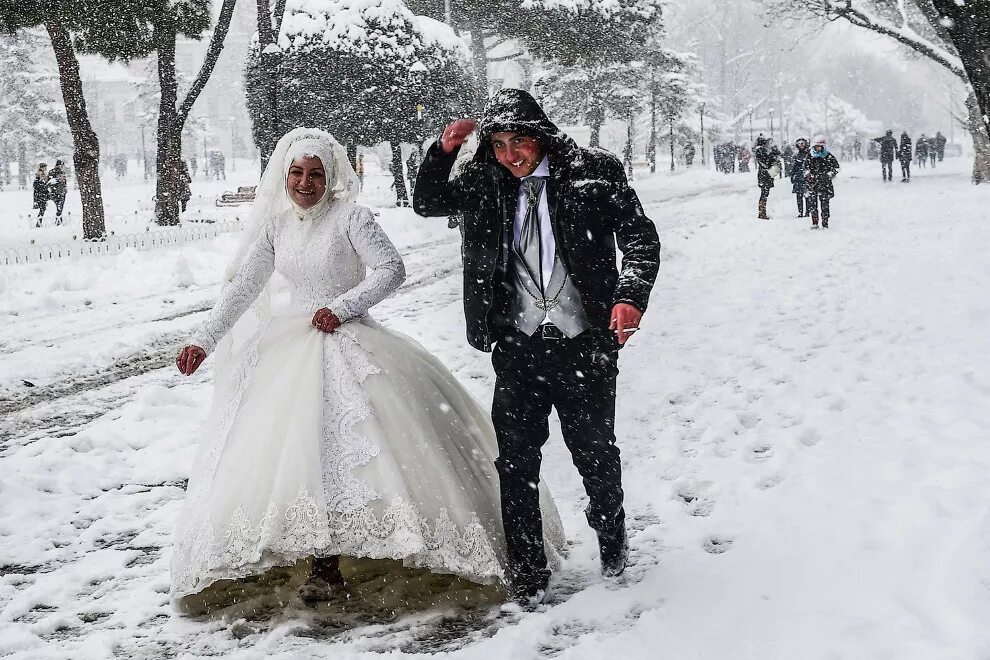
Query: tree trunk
x=651, y=153
x=169, y=140
x=596, y=130
x=269, y=23
x=671, y=145
x=479, y=58
x=981, y=141
x=86, y=146
x=969, y=29
x=401, y=196
x=22, y=165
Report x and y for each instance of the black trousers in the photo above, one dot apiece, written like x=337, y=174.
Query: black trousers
x=888, y=169
x=814, y=199
x=800, y=203
x=906, y=169
x=577, y=377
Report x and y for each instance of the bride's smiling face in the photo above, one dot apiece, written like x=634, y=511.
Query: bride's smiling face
x=307, y=181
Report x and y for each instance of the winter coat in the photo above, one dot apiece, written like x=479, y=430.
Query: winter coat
x=593, y=210
x=798, y=164
x=41, y=192
x=921, y=149
x=818, y=174
x=57, y=183
x=888, y=147
x=185, y=190
x=766, y=157
x=904, y=151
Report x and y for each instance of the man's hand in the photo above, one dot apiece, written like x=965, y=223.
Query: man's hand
x=456, y=133
x=189, y=359
x=325, y=321
x=625, y=321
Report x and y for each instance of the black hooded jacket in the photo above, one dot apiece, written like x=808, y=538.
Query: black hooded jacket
x=593, y=210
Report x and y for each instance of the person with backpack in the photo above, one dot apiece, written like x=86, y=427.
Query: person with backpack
x=820, y=169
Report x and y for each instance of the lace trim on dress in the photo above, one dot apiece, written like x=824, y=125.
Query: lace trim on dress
x=237, y=548
x=345, y=406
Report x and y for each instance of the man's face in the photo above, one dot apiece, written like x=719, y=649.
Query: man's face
x=520, y=154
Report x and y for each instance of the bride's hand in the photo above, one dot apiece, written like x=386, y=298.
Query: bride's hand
x=325, y=320
x=189, y=359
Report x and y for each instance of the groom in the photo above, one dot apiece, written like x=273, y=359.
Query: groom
x=541, y=220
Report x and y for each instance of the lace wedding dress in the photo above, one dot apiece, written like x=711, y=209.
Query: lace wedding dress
x=356, y=443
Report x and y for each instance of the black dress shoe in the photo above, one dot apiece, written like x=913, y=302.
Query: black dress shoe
x=529, y=592
x=613, y=546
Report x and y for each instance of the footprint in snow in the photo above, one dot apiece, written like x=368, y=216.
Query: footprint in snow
x=760, y=452
x=716, y=545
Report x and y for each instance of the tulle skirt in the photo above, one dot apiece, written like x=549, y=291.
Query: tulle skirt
x=359, y=443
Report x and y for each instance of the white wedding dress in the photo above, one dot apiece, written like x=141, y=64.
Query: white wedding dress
x=356, y=443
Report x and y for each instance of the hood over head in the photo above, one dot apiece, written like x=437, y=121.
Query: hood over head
x=516, y=111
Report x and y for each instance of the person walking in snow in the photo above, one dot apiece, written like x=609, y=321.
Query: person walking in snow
x=921, y=151
x=888, y=149
x=904, y=153
x=940, y=145
x=820, y=168
x=799, y=162
x=41, y=191
x=58, y=188
x=767, y=169
x=542, y=218
x=689, y=154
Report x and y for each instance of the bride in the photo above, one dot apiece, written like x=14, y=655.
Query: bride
x=330, y=435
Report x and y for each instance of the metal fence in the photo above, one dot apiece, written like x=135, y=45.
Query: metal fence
x=148, y=240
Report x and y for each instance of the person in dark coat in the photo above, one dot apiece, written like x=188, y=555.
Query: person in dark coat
x=41, y=192
x=542, y=218
x=58, y=188
x=820, y=169
x=904, y=156
x=185, y=181
x=888, y=149
x=767, y=169
x=689, y=154
x=921, y=151
x=787, y=155
x=799, y=162
x=940, y=145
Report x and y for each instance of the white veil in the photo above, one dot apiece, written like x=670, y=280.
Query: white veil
x=271, y=201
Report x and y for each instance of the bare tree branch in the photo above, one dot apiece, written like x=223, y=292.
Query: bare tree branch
x=212, y=55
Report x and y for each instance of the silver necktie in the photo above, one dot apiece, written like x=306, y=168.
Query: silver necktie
x=530, y=247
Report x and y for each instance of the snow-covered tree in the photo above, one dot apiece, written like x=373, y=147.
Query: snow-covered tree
x=367, y=71
x=32, y=121
x=923, y=27
x=587, y=32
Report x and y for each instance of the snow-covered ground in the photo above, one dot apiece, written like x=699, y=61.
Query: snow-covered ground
x=804, y=422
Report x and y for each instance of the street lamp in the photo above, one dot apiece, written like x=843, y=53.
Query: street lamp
x=770, y=110
x=417, y=75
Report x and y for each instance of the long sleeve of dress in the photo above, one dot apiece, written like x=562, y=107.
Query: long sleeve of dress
x=385, y=270
x=238, y=294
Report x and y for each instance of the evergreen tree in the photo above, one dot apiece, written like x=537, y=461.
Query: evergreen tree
x=366, y=73
x=33, y=122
